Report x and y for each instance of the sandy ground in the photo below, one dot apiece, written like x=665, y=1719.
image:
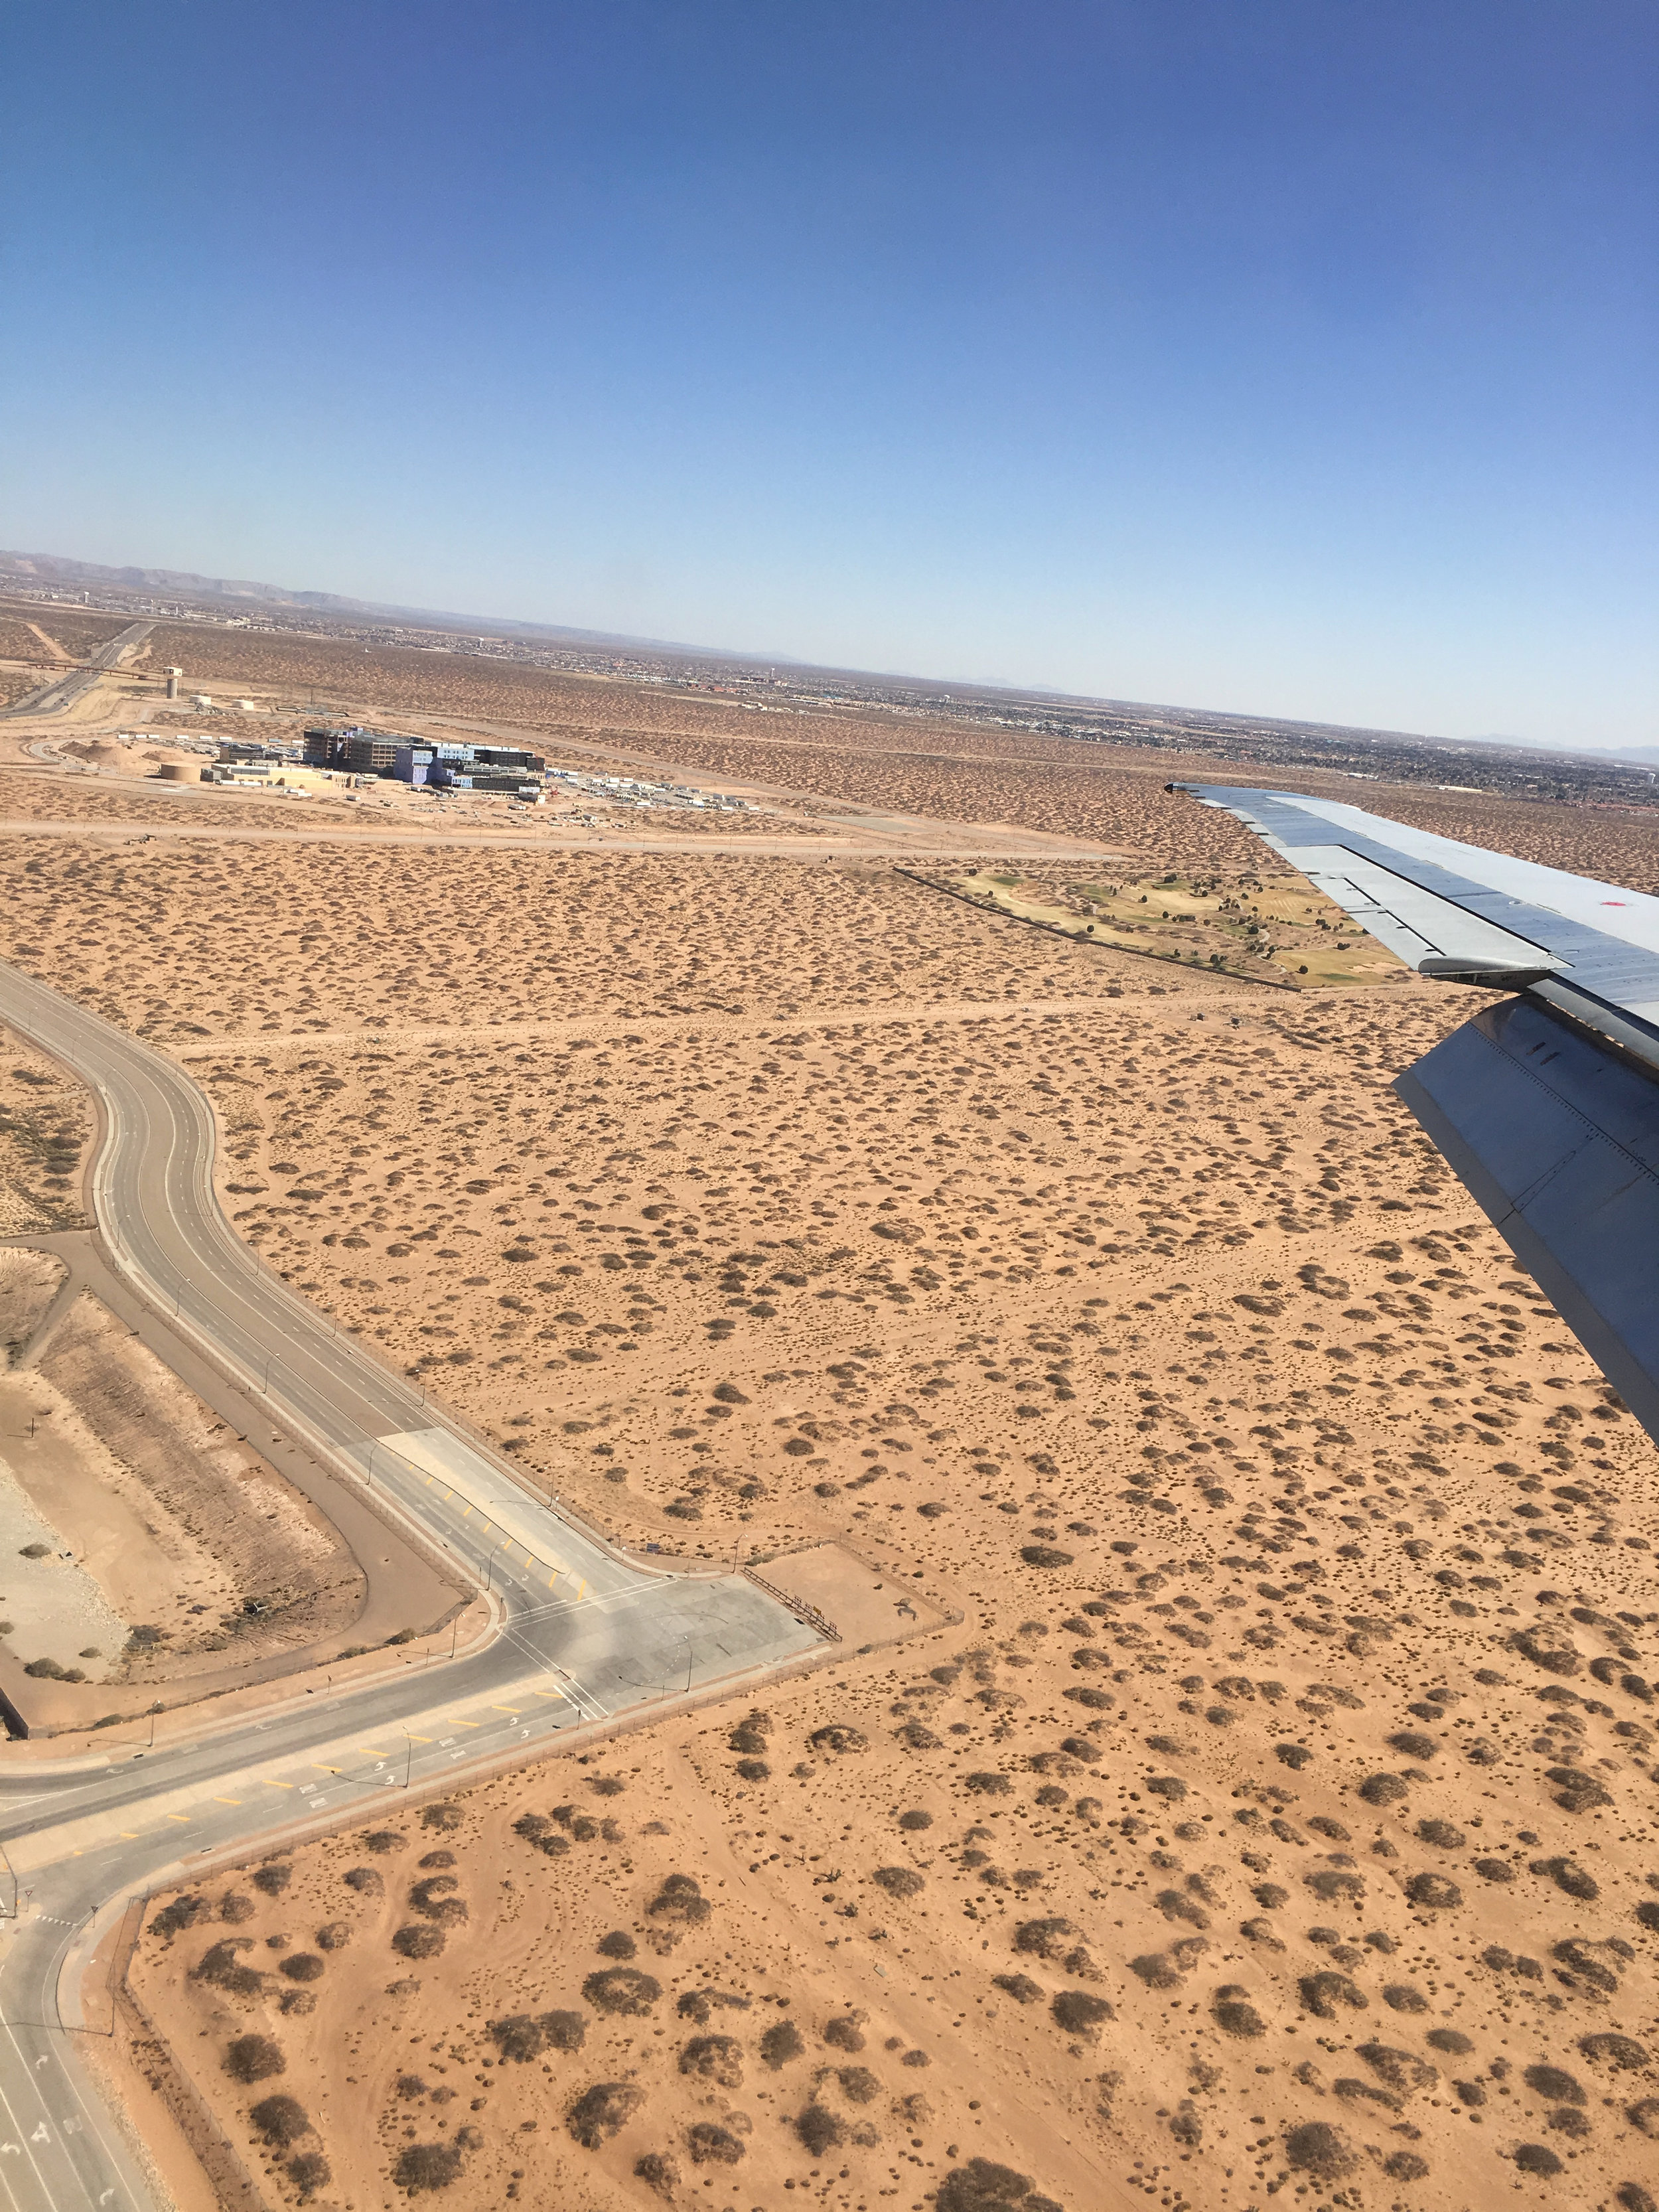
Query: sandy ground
x=45, y=1126
x=201, y=1548
x=1279, y=1816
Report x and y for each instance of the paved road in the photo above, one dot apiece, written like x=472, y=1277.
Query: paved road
x=583, y=1632
x=63, y=690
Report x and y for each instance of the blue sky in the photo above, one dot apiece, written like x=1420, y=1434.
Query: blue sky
x=1288, y=358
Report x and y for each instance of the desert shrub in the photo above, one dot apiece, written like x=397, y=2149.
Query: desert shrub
x=435, y=1862
x=519, y=2037
x=680, y=1898
x=366, y=1880
x=447, y=1818
x=281, y=2119
x=1630, y=2196
x=1554, y=2084
x=334, y=1936
x=1044, y=1555
x=184, y=1912
x=1451, y=2040
x=899, y=1881
x=274, y=1877
x=987, y=1784
x=819, y=2129
x=382, y=1840
x=622, y=1989
x=1401, y=1997
x=710, y=2145
x=1077, y=2013
x=1441, y=1834
x=222, y=1969
x=427, y=2166
x=432, y=1900
x=1321, y=1993
x=699, y=2004
x=619, y=1944
x=656, y=2171
x=1434, y=1893
x=844, y=2033
x=981, y=2185
x=1410, y=1743
x=1643, y=2116
x=1020, y=1987
x=536, y=1828
x=1620, y=2050
x=1168, y=1786
x=1234, y=2014
x=1044, y=1939
x=714, y=2059
x=254, y=2058
x=1401, y=2069
x=915, y=2058
x=857, y=2085
x=1318, y=2149
x=417, y=1942
x=1404, y=2165
x=753, y=1770
x=301, y=1967
x=780, y=2044
x=1382, y=1790
x=1536, y=2158
x=915, y=1821
x=838, y=1737
x=235, y=1908
x=410, y=2086
x=309, y=2170
x=298, y=2001
x=1156, y=1969
x=565, y=2031
x=602, y=2111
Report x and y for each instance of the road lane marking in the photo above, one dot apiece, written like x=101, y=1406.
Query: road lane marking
x=227, y=1801
x=185, y=1817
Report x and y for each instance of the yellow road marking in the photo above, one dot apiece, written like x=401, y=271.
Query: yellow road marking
x=513, y=1709
x=469, y=1724
x=277, y=1785
x=420, y=1739
x=185, y=1817
x=227, y=1801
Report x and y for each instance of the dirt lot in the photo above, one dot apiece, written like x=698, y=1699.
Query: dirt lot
x=228, y=1563
x=1282, y=1813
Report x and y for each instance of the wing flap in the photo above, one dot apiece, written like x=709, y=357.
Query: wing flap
x=1557, y=1139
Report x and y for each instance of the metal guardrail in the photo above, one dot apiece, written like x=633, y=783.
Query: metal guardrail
x=797, y=1606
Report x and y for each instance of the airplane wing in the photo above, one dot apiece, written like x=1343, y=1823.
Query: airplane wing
x=1546, y=1105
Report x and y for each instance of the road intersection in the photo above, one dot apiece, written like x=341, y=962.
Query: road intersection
x=581, y=1632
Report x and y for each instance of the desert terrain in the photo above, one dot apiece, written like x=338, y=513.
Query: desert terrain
x=1277, y=1812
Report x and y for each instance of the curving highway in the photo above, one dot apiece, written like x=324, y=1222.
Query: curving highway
x=63, y=691
x=581, y=1632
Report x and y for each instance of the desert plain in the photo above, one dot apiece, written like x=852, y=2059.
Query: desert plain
x=1236, y=1782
